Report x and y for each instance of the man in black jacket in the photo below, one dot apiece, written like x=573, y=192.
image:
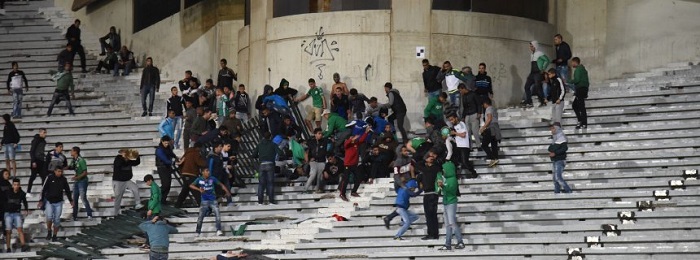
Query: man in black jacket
x=318, y=150
x=471, y=108
x=14, y=199
x=114, y=40
x=428, y=173
x=10, y=140
x=65, y=56
x=430, y=83
x=121, y=178
x=51, y=194
x=398, y=107
x=73, y=37
x=38, y=161
x=561, y=62
x=484, y=87
x=185, y=83
x=226, y=75
x=150, y=83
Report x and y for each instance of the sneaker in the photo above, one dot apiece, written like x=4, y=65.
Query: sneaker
x=542, y=105
x=25, y=248
x=198, y=235
x=29, y=194
x=445, y=248
x=138, y=206
x=460, y=245
x=273, y=202
x=493, y=163
x=150, y=114
x=231, y=204
x=48, y=237
x=429, y=238
x=343, y=197
x=103, y=54
x=54, y=238
x=318, y=191
x=354, y=194
x=144, y=114
x=398, y=238
x=386, y=222
x=9, y=250
x=219, y=233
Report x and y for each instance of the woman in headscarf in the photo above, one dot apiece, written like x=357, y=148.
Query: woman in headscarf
x=557, y=153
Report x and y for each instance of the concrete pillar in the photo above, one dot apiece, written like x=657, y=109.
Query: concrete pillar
x=261, y=11
x=410, y=28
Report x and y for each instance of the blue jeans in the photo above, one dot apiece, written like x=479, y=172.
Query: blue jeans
x=53, y=212
x=434, y=94
x=177, y=124
x=563, y=72
x=126, y=66
x=266, y=182
x=157, y=256
x=454, y=97
x=13, y=220
x=204, y=209
x=17, y=95
x=10, y=152
x=150, y=92
x=408, y=218
x=557, y=171
x=451, y=225
x=545, y=90
x=79, y=191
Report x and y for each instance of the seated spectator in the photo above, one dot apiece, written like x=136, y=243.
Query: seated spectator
x=340, y=103
x=125, y=61
x=184, y=84
x=114, y=41
x=108, y=61
x=331, y=172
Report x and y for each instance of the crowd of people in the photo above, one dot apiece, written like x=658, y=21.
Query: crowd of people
x=359, y=143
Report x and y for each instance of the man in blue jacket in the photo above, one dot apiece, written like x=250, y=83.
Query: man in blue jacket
x=403, y=203
x=158, y=231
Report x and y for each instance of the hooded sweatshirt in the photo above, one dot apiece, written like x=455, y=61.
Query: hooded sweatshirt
x=539, y=59
x=335, y=124
x=403, y=199
x=259, y=104
x=38, y=148
x=402, y=170
x=396, y=102
x=10, y=135
x=448, y=177
x=559, y=145
x=434, y=108
x=285, y=92
x=64, y=81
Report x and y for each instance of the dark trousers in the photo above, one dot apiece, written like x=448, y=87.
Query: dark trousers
x=579, y=107
x=186, y=181
x=487, y=139
x=104, y=65
x=166, y=180
x=400, y=118
x=345, y=178
x=464, y=161
x=40, y=171
x=150, y=92
x=430, y=206
x=223, y=178
x=186, y=137
x=533, y=86
x=266, y=182
x=78, y=48
x=60, y=95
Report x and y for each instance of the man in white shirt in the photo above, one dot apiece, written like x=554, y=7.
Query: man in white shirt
x=461, y=133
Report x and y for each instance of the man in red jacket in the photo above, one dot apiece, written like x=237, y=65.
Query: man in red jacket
x=352, y=158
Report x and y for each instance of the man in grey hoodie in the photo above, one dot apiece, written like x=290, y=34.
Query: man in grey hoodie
x=557, y=153
x=398, y=107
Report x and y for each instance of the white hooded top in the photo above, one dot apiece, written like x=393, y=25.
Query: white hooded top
x=536, y=55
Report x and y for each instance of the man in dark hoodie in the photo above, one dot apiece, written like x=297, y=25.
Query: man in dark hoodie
x=241, y=103
x=430, y=83
x=165, y=162
x=259, y=104
x=226, y=75
x=484, y=87
x=270, y=121
x=471, y=111
x=10, y=141
x=266, y=151
x=398, y=107
x=51, y=193
x=150, y=83
x=121, y=179
x=285, y=91
x=428, y=173
x=557, y=153
x=73, y=37
x=561, y=62
x=38, y=161
x=215, y=164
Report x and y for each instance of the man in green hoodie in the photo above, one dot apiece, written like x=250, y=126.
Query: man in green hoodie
x=447, y=184
x=64, y=83
x=335, y=123
x=435, y=106
x=533, y=85
x=154, y=202
x=579, y=84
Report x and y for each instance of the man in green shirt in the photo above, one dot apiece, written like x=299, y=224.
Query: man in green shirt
x=80, y=184
x=64, y=83
x=580, y=87
x=335, y=123
x=447, y=184
x=435, y=107
x=319, y=104
x=154, y=201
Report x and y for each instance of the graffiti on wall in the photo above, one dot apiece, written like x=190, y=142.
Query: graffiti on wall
x=500, y=75
x=320, y=51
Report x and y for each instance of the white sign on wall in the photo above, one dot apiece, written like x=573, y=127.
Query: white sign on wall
x=420, y=52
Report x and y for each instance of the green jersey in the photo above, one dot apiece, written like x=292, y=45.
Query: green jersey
x=317, y=96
